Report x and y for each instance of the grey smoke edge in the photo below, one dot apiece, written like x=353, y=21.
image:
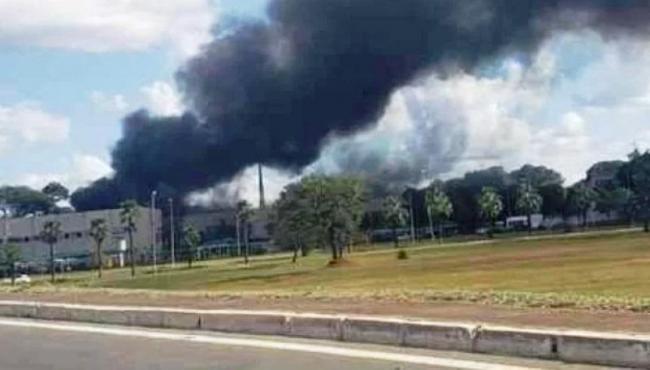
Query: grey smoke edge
x=274, y=91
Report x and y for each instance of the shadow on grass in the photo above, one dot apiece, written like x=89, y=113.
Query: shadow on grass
x=168, y=270
x=269, y=278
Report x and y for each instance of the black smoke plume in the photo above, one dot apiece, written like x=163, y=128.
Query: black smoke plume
x=273, y=91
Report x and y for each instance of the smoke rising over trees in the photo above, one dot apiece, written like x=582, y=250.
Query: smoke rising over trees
x=275, y=91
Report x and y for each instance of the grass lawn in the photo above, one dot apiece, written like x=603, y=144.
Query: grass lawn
x=612, y=266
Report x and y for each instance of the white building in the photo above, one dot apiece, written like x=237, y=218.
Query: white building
x=75, y=240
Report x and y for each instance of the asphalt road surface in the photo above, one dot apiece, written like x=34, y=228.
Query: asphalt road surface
x=41, y=345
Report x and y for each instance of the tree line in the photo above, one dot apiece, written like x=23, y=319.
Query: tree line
x=330, y=211
x=335, y=211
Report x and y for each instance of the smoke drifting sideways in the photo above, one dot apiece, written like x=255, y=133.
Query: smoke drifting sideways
x=275, y=91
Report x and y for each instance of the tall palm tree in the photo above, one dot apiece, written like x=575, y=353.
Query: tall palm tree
x=490, y=205
x=396, y=215
x=99, y=231
x=128, y=217
x=244, y=213
x=191, y=240
x=50, y=234
x=439, y=207
x=529, y=201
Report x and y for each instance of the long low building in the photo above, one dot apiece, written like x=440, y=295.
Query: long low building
x=75, y=239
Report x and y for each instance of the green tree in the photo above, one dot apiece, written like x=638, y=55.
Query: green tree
x=191, y=241
x=580, y=200
x=56, y=192
x=491, y=206
x=129, y=214
x=243, y=216
x=636, y=174
x=9, y=257
x=24, y=201
x=292, y=220
x=553, y=200
x=337, y=205
x=99, y=232
x=529, y=201
x=395, y=214
x=616, y=200
x=536, y=176
x=50, y=234
x=439, y=208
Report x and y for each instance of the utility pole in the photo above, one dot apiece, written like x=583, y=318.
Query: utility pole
x=172, y=231
x=412, y=218
x=238, y=237
x=153, y=229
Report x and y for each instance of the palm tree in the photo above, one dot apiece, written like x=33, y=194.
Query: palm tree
x=98, y=231
x=128, y=217
x=50, y=235
x=529, y=201
x=396, y=215
x=10, y=256
x=439, y=207
x=490, y=205
x=191, y=239
x=244, y=213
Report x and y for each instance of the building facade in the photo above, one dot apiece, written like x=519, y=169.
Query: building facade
x=75, y=240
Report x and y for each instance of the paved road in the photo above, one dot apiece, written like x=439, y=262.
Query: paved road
x=38, y=345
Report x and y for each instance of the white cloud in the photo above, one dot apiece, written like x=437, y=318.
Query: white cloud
x=109, y=103
x=582, y=100
x=28, y=123
x=162, y=98
x=87, y=168
x=245, y=186
x=107, y=25
x=81, y=170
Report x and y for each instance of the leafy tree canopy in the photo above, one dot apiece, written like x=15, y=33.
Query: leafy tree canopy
x=56, y=192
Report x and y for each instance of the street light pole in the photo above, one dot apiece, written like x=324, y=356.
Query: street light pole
x=172, y=231
x=153, y=229
x=412, y=218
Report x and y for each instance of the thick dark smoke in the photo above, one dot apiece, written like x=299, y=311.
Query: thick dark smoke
x=274, y=91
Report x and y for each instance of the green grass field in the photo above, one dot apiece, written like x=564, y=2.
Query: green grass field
x=613, y=266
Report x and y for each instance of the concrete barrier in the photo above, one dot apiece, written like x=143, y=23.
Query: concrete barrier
x=240, y=322
x=579, y=347
x=373, y=330
x=604, y=349
x=18, y=309
x=315, y=326
x=182, y=320
x=150, y=319
x=440, y=336
x=111, y=317
x=48, y=312
x=516, y=342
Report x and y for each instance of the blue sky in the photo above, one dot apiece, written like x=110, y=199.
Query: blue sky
x=87, y=90
x=68, y=73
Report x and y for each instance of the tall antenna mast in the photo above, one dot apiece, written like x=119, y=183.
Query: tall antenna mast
x=261, y=184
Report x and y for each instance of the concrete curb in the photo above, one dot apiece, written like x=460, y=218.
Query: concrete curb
x=570, y=346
